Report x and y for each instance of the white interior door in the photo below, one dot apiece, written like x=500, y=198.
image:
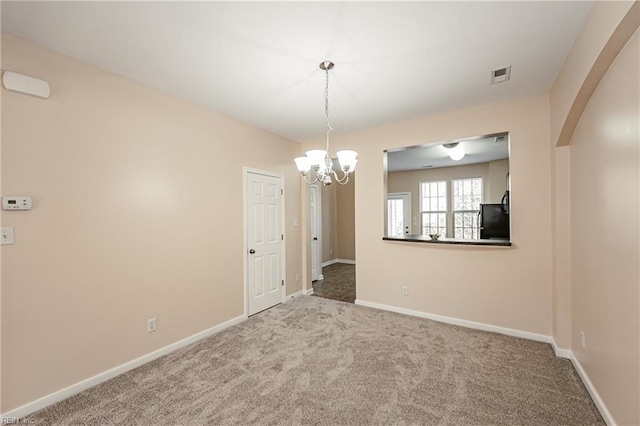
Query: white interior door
x=315, y=251
x=264, y=242
x=399, y=214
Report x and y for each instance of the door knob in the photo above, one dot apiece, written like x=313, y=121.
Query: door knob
x=252, y=251
x=315, y=238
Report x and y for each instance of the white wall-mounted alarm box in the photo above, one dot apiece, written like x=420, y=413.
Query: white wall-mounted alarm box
x=11, y=202
x=25, y=84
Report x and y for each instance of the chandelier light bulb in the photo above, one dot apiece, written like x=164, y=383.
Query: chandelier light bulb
x=317, y=157
x=303, y=164
x=347, y=159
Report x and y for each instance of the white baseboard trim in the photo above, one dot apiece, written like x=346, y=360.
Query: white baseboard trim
x=332, y=261
x=74, y=389
x=595, y=396
x=460, y=322
x=560, y=353
x=292, y=296
x=320, y=277
x=308, y=292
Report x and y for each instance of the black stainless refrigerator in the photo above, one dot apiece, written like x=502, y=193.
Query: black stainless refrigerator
x=494, y=222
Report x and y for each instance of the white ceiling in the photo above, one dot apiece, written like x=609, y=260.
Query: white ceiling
x=481, y=149
x=258, y=62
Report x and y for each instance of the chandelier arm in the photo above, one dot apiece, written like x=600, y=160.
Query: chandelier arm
x=312, y=182
x=344, y=180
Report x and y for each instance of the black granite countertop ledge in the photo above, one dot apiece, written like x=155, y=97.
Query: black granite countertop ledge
x=428, y=240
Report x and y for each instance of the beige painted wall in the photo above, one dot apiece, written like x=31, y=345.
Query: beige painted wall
x=137, y=213
x=605, y=231
x=508, y=287
x=493, y=176
x=561, y=249
x=346, y=225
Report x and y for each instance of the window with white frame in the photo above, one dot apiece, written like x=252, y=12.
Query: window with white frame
x=467, y=197
x=433, y=207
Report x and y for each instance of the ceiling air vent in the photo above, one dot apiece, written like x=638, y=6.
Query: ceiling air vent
x=500, y=75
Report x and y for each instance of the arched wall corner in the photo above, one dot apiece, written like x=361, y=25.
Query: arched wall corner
x=614, y=23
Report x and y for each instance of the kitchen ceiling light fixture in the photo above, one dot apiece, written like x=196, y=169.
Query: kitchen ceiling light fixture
x=319, y=160
x=454, y=150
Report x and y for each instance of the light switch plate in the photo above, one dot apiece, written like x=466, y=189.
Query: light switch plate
x=6, y=237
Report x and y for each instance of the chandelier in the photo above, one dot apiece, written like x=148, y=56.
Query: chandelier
x=317, y=165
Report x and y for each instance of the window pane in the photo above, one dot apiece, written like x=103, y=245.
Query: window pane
x=434, y=223
x=466, y=225
x=442, y=204
x=442, y=189
x=396, y=218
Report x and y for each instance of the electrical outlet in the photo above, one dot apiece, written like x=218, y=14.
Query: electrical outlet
x=330, y=251
x=152, y=325
x=297, y=278
x=405, y=290
x=583, y=340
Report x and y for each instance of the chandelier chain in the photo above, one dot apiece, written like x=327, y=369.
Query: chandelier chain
x=326, y=106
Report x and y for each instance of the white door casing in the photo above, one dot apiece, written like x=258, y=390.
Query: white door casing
x=264, y=243
x=314, y=206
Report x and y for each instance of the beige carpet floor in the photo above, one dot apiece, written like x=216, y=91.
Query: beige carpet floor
x=316, y=361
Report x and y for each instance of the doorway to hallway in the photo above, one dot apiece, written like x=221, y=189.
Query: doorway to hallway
x=339, y=283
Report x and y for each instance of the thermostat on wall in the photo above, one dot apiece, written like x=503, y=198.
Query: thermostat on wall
x=11, y=202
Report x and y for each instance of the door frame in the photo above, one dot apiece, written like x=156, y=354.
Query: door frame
x=245, y=245
x=318, y=219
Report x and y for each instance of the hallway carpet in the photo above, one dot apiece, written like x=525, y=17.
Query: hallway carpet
x=315, y=361
x=339, y=283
